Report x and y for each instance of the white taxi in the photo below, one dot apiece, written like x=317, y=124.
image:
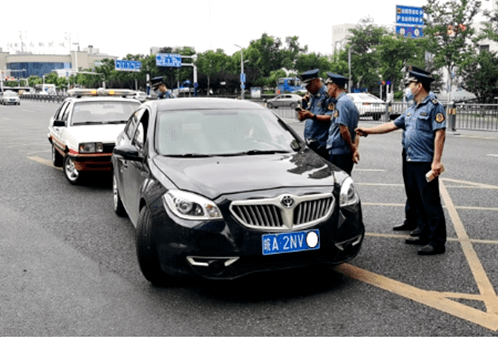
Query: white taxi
x=84, y=129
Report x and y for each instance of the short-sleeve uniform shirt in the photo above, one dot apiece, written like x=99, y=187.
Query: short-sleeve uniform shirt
x=420, y=123
x=345, y=114
x=317, y=130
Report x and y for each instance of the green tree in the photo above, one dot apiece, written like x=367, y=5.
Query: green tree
x=211, y=63
x=448, y=30
x=480, y=75
x=51, y=78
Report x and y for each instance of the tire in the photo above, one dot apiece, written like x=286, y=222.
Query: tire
x=269, y=105
x=117, y=203
x=376, y=116
x=146, y=250
x=293, y=105
x=57, y=158
x=71, y=173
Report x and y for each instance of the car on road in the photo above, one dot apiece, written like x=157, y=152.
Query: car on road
x=9, y=97
x=284, y=100
x=140, y=96
x=84, y=129
x=368, y=105
x=221, y=188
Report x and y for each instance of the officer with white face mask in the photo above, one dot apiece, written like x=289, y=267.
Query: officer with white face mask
x=424, y=125
x=160, y=88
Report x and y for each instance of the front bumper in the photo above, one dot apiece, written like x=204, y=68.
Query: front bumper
x=101, y=162
x=226, y=250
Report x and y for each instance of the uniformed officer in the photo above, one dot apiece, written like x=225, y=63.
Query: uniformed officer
x=342, y=142
x=315, y=112
x=424, y=124
x=160, y=88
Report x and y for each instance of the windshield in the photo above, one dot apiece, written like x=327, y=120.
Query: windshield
x=224, y=133
x=101, y=112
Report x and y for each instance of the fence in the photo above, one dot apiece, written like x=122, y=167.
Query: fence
x=461, y=116
x=45, y=98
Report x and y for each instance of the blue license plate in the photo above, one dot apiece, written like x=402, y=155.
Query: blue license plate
x=290, y=242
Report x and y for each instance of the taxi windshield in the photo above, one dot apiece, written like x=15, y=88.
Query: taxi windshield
x=102, y=112
x=221, y=133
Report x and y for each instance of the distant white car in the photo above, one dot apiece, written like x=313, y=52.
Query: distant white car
x=368, y=105
x=140, y=96
x=10, y=97
x=284, y=100
x=84, y=129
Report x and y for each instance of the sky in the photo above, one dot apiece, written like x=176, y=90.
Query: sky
x=118, y=28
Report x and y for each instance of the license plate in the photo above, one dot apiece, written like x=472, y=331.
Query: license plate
x=290, y=242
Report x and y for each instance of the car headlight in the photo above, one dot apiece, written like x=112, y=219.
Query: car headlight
x=348, y=194
x=190, y=206
x=91, y=147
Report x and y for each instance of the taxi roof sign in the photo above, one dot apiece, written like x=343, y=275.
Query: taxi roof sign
x=101, y=92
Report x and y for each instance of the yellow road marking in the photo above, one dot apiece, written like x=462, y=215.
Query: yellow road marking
x=43, y=161
x=433, y=299
x=480, y=276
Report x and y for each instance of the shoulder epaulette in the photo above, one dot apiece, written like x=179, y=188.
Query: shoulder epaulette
x=434, y=101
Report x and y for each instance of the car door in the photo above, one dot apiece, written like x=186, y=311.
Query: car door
x=134, y=173
x=57, y=131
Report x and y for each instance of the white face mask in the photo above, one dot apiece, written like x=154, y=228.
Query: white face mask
x=408, y=93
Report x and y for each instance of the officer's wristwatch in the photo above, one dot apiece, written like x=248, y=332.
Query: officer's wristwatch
x=314, y=117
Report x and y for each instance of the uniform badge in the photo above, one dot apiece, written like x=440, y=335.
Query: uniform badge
x=439, y=117
x=331, y=106
x=336, y=115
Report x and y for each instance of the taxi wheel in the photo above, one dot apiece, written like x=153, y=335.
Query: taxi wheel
x=57, y=158
x=71, y=173
x=147, y=252
x=118, y=204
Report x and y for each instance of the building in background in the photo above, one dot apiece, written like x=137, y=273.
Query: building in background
x=24, y=65
x=340, y=35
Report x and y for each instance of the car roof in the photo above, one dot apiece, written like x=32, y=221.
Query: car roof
x=203, y=104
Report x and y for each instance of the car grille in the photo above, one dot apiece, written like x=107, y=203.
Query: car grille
x=283, y=212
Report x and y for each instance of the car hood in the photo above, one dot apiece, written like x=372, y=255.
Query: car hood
x=105, y=133
x=215, y=176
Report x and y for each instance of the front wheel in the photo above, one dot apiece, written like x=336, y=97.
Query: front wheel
x=269, y=105
x=72, y=174
x=118, y=204
x=146, y=250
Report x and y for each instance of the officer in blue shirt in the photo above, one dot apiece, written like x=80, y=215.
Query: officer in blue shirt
x=315, y=113
x=424, y=124
x=160, y=88
x=342, y=142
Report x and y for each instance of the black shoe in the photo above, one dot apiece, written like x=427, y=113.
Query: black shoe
x=430, y=249
x=416, y=232
x=404, y=226
x=417, y=241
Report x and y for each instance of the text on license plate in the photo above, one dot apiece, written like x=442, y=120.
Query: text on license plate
x=290, y=242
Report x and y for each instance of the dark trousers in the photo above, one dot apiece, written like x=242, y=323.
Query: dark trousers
x=411, y=218
x=425, y=201
x=343, y=161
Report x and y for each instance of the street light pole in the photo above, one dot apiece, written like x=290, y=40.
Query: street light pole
x=241, y=71
x=349, y=66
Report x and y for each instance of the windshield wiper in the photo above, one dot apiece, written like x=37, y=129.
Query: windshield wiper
x=256, y=152
x=116, y=122
x=189, y=155
x=87, y=122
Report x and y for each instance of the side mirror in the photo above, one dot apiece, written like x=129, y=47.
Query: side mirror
x=58, y=123
x=128, y=152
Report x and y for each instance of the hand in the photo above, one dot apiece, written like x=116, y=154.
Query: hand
x=362, y=132
x=356, y=156
x=437, y=168
x=304, y=114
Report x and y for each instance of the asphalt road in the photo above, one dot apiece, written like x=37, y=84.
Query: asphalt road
x=68, y=264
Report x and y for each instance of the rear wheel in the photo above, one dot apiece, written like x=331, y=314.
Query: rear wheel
x=293, y=105
x=147, y=252
x=72, y=174
x=269, y=105
x=376, y=116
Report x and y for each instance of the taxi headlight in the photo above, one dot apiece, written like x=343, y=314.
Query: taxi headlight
x=190, y=206
x=348, y=194
x=91, y=148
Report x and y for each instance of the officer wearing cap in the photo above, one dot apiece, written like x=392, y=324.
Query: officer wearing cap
x=424, y=124
x=315, y=112
x=342, y=142
x=410, y=222
x=160, y=88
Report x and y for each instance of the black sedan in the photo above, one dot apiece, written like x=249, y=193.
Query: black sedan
x=222, y=188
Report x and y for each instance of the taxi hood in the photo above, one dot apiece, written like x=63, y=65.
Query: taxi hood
x=218, y=175
x=105, y=133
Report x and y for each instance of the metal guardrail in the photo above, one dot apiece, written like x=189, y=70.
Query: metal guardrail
x=43, y=98
x=483, y=117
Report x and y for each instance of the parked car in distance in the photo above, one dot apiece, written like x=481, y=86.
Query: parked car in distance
x=221, y=188
x=368, y=105
x=10, y=97
x=140, y=96
x=284, y=100
x=84, y=129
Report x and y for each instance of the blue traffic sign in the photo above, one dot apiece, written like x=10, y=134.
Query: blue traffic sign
x=409, y=16
x=128, y=65
x=168, y=60
x=410, y=31
x=242, y=77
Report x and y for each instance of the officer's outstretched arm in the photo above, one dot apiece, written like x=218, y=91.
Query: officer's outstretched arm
x=382, y=129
